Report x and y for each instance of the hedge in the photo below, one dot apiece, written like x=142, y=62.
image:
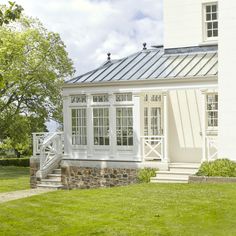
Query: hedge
x=14, y=161
x=219, y=167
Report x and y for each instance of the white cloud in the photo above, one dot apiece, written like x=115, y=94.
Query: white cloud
x=91, y=28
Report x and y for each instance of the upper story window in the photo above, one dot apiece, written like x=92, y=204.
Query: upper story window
x=211, y=21
x=212, y=110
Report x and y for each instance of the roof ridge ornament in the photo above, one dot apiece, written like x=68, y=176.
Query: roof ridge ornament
x=108, y=56
x=144, y=46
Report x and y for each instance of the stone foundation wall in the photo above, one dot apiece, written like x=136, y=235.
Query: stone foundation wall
x=205, y=179
x=90, y=177
x=34, y=167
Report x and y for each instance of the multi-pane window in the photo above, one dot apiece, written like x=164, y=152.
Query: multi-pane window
x=101, y=126
x=101, y=98
x=146, y=121
x=212, y=110
x=155, y=121
x=211, y=20
x=79, y=126
x=152, y=121
x=78, y=98
x=124, y=97
x=124, y=126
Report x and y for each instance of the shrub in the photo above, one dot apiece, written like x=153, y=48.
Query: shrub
x=144, y=175
x=220, y=167
x=14, y=161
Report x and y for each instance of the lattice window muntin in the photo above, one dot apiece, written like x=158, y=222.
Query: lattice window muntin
x=156, y=121
x=212, y=110
x=124, y=126
x=78, y=98
x=211, y=20
x=79, y=126
x=101, y=126
x=101, y=98
x=124, y=97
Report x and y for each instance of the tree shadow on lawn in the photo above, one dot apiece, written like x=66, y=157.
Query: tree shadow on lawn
x=13, y=172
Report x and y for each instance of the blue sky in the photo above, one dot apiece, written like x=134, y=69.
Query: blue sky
x=91, y=28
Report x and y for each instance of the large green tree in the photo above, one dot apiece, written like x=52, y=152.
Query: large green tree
x=34, y=64
x=10, y=13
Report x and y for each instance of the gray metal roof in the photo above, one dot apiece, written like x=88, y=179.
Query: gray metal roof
x=156, y=64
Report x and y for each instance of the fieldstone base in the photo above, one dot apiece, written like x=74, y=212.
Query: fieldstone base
x=34, y=167
x=206, y=179
x=91, y=177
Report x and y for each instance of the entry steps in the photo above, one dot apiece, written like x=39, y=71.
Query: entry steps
x=177, y=173
x=52, y=181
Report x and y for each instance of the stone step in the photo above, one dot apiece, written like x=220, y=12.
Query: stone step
x=56, y=171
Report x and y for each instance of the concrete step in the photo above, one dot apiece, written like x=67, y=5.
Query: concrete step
x=169, y=174
x=54, y=176
x=50, y=182
x=189, y=171
x=185, y=165
x=56, y=171
x=174, y=181
x=49, y=186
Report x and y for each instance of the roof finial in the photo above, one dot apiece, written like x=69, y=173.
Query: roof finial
x=144, y=46
x=108, y=56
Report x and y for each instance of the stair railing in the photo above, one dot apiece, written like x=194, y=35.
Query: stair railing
x=49, y=147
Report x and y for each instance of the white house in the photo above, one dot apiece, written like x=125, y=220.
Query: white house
x=155, y=108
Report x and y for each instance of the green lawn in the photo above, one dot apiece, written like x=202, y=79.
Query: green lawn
x=145, y=209
x=13, y=178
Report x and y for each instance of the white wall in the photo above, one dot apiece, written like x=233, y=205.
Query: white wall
x=183, y=25
x=227, y=79
x=185, y=125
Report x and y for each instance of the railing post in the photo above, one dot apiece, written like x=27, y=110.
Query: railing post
x=143, y=148
x=204, y=138
x=34, y=144
x=166, y=118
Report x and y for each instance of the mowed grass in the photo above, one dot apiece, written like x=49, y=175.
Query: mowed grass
x=13, y=179
x=144, y=209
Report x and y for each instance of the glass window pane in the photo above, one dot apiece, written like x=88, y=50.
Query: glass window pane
x=79, y=126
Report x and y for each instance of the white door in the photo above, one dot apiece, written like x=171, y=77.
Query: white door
x=152, y=126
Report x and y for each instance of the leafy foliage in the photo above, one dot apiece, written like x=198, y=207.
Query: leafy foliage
x=220, y=167
x=144, y=175
x=11, y=13
x=34, y=65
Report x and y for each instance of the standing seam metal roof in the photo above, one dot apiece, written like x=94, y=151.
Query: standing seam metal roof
x=156, y=64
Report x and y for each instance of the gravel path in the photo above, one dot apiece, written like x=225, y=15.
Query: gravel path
x=9, y=196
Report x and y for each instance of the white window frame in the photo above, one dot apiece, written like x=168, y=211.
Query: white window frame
x=216, y=110
x=125, y=102
x=79, y=146
x=83, y=103
x=125, y=147
x=109, y=125
x=205, y=29
x=104, y=103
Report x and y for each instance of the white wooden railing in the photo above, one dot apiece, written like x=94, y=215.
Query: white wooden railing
x=153, y=148
x=212, y=148
x=49, y=147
